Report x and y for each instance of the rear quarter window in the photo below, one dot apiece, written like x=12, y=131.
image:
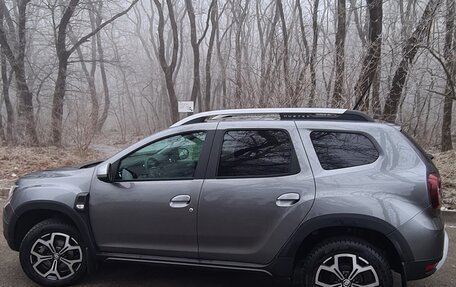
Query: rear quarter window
x=337, y=150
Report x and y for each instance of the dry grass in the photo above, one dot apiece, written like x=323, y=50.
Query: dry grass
x=17, y=161
x=446, y=163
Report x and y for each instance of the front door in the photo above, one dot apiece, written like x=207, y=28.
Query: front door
x=150, y=208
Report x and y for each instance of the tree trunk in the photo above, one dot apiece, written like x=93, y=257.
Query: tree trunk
x=222, y=64
x=168, y=69
x=214, y=22
x=90, y=78
x=374, y=50
x=300, y=81
x=26, y=118
x=196, y=89
x=376, y=106
x=104, y=80
x=60, y=84
x=286, y=74
x=6, y=81
x=239, y=14
x=313, y=55
x=340, y=55
x=449, y=54
x=57, y=101
x=408, y=54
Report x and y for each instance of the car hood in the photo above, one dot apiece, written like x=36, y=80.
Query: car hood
x=62, y=176
x=54, y=173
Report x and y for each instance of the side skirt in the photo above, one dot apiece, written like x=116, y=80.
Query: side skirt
x=185, y=262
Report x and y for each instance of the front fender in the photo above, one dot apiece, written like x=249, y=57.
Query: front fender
x=80, y=220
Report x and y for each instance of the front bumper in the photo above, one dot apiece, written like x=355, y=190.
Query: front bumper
x=7, y=232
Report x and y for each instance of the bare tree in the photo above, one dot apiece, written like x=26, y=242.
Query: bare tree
x=286, y=74
x=6, y=81
x=195, y=42
x=26, y=119
x=338, y=94
x=63, y=54
x=305, y=53
x=408, y=54
x=239, y=14
x=168, y=69
x=104, y=78
x=374, y=49
x=214, y=16
x=450, y=59
x=313, y=54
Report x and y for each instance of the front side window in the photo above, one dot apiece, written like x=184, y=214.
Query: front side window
x=175, y=157
x=342, y=149
x=255, y=153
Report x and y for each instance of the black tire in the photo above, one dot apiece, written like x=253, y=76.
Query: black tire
x=63, y=265
x=344, y=254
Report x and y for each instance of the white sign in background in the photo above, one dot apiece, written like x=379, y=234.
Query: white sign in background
x=185, y=106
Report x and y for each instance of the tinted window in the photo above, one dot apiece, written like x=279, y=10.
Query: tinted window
x=175, y=157
x=255, y=153
x=339, y=149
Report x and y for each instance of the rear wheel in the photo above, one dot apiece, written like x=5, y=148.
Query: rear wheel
x=346, y=263
x=52, y=254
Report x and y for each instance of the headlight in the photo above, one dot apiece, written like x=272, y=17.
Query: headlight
x=11, y=191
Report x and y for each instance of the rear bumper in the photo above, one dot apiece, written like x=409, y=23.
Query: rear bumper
x=416, y=270
x=445, y=253
x=428, y=242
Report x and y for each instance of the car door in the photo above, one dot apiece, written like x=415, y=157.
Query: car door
x=149, y=208
x=259, y=188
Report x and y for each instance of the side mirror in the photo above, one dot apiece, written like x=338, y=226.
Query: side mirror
x=104, y=172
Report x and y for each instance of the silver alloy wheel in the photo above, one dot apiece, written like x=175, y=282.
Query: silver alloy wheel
x=56, y=256
x=346, y=270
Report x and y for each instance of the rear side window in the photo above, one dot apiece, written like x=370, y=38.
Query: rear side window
x=341, y=149
x=256, y=153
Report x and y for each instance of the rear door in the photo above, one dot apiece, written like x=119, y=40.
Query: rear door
x=258, y=189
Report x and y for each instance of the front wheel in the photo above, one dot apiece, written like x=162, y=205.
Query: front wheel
x=52, y=254
x=346, y=263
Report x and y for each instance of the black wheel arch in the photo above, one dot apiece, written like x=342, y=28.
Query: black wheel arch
x=30, y=213
x=371, y=229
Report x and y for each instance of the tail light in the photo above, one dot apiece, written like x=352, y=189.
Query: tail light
x=434, y=190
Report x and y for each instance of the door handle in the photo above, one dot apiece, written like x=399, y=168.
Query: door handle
x=180, y=201
x=287, y=199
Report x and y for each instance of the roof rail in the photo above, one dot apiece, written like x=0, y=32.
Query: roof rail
x=284, y=113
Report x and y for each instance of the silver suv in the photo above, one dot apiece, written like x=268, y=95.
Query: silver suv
x=319, y=197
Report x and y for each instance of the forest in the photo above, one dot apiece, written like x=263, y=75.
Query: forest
x=74, y=69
